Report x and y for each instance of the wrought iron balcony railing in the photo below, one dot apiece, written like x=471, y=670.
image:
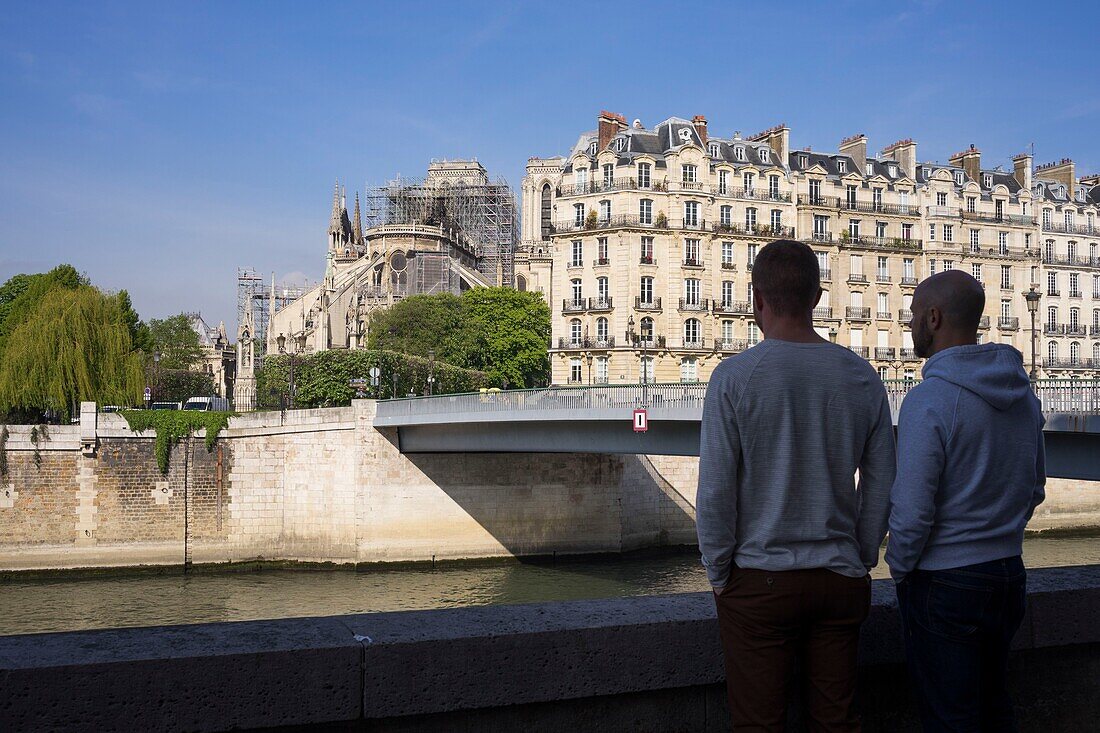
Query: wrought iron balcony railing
x=884, y=353
x=650, y=304
x=1008, y=324
x=905, y=315
x=691, y=304
x=735, y=307
x=823, y=313
x=857, y=314
x=861, y=350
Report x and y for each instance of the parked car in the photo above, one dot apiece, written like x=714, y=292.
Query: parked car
x=206, y=404
x=164, y=406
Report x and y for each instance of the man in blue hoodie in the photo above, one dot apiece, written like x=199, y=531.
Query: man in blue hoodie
x=970, y=473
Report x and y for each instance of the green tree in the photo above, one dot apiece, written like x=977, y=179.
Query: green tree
x=73, y=346
x=21, y=295
x=177, y=385
x=506, y=334
x=140, y=336
x=177, y=342
x=420, y=324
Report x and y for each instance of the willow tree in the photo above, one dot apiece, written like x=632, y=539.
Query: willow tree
x=74, y=346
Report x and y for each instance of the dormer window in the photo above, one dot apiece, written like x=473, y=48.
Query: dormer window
x=987, y=181
x=739, y=152
x=870, y=168
x=620, y=144
x=803, y=161
x=958, y=178
x=892, y=170
x=765, y=156
x=592, y=148
x=842, y=166
x=713, y=150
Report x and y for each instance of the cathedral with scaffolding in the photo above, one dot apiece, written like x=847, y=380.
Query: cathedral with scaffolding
x=450, y=231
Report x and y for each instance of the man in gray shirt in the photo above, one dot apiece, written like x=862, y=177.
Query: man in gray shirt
x=787, y=536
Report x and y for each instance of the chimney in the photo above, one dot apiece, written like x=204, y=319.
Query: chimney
x=778, y=138
x=700, y=124
x=1062, y=172
x=856, y=147
x=904, y=153
x=970, y=160
x=1091, y=181
x=1021, y=170
x=609, y=125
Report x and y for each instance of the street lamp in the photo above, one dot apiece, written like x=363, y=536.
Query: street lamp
x=298, y=344
x=896, y=366
x=588, y=358
x=832, y=334
x=1032, y=297
x=156, y=377
x=634, y=338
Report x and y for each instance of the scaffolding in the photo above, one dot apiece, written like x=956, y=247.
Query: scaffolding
x=460, y=197
x=254, y=295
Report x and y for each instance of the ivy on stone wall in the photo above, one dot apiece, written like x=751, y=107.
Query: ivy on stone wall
x=4, y=451
x=174, y=425
x=39, y=434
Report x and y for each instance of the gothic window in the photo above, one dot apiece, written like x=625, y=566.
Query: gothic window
x=545, y=212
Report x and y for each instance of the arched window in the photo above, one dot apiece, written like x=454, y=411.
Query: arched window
x=646, y=331
x=1096, y=355
x=1075, y=353
x=546, y=211
x=1052, y=316
x=578, y=293
x=1052, y=352
x=601, y=329
x=1074, y=317
x=692, y=330
x=521, y=283
x=1096, y=321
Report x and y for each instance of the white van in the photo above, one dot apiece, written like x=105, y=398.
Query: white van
x=206, y=404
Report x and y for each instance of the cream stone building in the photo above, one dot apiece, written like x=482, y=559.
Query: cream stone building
x=642, y=242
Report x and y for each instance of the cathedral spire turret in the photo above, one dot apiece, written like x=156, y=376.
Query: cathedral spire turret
x=357, y=222
x=334, y=224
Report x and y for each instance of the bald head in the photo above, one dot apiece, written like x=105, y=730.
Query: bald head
x=958, y=297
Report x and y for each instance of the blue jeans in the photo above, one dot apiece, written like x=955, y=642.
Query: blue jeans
x=958, y=625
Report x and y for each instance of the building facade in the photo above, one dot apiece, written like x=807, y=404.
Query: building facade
x=642, y=242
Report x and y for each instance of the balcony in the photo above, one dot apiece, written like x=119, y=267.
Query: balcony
x=576, y=305
x=686, y=186
x=823, y=313
x=1053, y=292
x=1053, y=329
x=861, y=351
x=567, y=343
x=942, y=211
x=646, y=341
x=734, y=307
x=604, y=343
x=650, y=304
x=984, y=322
x=826, y=275
x=996, y=218
x=1008, y=324
x=857, y=314
x=1075, y=261
x=908, y=280
x=883, y=278
x=754, y=230
x=729, y=266
x=602, y=262
x=857, y=277
x=692, y=262
x=1005, y=253
x=752, y=194
x=623, y=221
x=821, y=237
x=693, y=304
x=647, y=260
x=1094, y=331
x=731, y=345
x=884, y=353
x=1075, y=293
x=905, y=315
x=695, y=344
x=890, y=243
x=599, y=304
x=1071, y=229
x=619, y=184
x=1071, y=363
x=909, y=354
x=884, y=316
x=1078, y=331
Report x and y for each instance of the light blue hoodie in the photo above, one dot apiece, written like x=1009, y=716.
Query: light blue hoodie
x=971, y=464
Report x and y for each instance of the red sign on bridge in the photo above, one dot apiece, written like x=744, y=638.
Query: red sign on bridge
x=641, y=421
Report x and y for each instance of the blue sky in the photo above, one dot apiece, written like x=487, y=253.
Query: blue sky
x=159, y=146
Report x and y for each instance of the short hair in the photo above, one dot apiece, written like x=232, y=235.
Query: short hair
x=787, y=276
x=960, y=298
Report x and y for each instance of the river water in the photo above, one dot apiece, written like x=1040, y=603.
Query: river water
x=99, y=601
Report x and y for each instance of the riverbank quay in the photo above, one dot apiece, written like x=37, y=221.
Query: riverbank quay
x=649, y=663
x=332, y=486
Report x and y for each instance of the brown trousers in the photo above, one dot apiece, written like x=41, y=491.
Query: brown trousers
x=767, y=620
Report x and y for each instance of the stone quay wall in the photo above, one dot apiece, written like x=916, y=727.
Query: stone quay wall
x=326, y=486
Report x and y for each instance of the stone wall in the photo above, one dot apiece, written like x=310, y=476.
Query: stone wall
x=326, y=486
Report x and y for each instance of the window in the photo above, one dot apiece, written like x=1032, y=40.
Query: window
x=727, y=253
x=884, y=373
x=907, y=268
x=620, y=143
x=1006, y=310
x=647, y=328
x=814, y=190
x=577, y=258
x=646, y=290
x=884, y=267
x=578, y=292
x=842, y=166
x=1052, y=352
x=739, y=152
x=582, y=180
x=1006, y=277
x=546, y=212
x=601, y=330
x=750, y=219
x=575, y=371
x=578, y=215
x=748, y=181
x=608, y=175
x=750, y=255
x=692, y=332
x=1074, y=318
x=1052, y=283
x=644, y=175
x=1002, y=242
x=575, y=330
x=646, y=370
x=1046, y=218
x=777, y=220
x=691, y=213
x=970, y=202
x=1052, y=315
x=931, y=232
x=856, y=264
x=601, y=370
x=975, y=244
x=856, y=299
x=1048, y=249
x=870, y=168
x=712, y=150
x=687, y=173
x=803, y=160
x=605, y=211
x=1074, y=353
x=602, y=289
x=723, y=182
x=958, y=178
x=941, y=199
x=883, y=307
x=727, y=330
x=601, y=249
x=765, y=155
x=948, y=233
x=727, y=293
x=691, y=251
x=987, y=181
x=645, y=211
x=754, y=333
x=976, y=271
x=1069, y=220
x=821, y=227
x=773, y=186
x=725, y=215
x=691, y=291
x=853, y=228
x=880, y=229
x=907, y=232
x=850, y=196
x=876, y=198
x=822, y=262
x=647, y=250
x=689, y=370
x=931, y=267
x=1071, y=250
x=1074, y=289
x=948, y=265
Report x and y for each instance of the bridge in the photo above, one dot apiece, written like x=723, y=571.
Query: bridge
x=599, y=419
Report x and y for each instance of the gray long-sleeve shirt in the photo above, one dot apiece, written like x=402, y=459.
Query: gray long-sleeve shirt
x=785, y=427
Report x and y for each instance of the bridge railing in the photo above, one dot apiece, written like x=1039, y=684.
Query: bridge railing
x=1055, y=395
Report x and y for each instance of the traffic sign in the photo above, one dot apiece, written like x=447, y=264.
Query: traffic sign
x=148, y=394
x=375, y=376
x=641, y=421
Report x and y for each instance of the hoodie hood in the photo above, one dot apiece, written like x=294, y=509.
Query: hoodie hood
x=994, y=372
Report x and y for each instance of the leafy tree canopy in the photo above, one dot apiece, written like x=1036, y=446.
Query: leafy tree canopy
x=140, y=335
x=177, y=342
x=420, y=324
x=22, y=294
x=74, y=346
